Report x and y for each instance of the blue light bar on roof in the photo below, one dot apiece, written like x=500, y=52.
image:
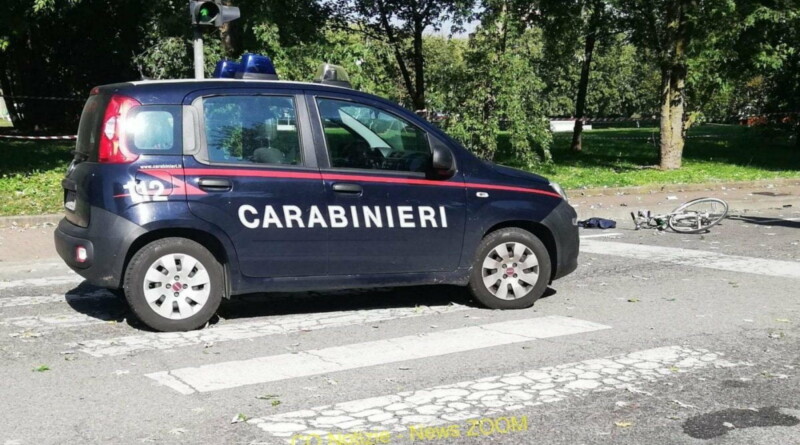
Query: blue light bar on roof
x=226, y=69
x=256, y=66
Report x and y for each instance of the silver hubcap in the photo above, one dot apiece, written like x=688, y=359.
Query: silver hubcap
x=176, y=286
x=510, y=271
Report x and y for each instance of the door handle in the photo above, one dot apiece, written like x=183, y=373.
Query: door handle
x=215, y=184
x=353, y=189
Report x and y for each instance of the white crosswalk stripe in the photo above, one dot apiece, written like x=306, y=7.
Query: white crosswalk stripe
x=247, y=330
x=408, y=416
x=54, y=298
x=237, y=373
x=602, y=235
x=49, y=322
x=42, y=282
x=694, y=258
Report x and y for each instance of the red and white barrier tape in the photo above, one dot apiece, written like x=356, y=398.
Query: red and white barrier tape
x=68, y=99
x=40, y=138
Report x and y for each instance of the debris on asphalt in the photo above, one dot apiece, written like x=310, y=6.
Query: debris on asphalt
x=623, y=424
x=683, y=405
x=41, y=368
x=239, y=418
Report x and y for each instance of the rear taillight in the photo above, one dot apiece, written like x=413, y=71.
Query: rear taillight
x=113, y=148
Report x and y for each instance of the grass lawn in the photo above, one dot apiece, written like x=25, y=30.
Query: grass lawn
x=31, y=171
x=30, y=176
x=5, y=123
x=712, y=153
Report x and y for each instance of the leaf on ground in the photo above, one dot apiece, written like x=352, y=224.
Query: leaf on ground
x=782, y=320
x=623, y=424
x=268, y=397
x=633, y=300
x=41, y=368
x=239, y=418
x=276, y=402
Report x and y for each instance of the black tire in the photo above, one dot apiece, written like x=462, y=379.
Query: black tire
x=146, y=257
x=506, y=238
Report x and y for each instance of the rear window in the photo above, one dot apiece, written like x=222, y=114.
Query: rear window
x=150, y=129
x=89, y=127
x=154, y=129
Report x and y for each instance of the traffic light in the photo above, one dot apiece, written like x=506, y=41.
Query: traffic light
x=212, y=13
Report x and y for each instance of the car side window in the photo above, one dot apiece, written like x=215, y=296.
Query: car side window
x=365, y=137
x=252, y=130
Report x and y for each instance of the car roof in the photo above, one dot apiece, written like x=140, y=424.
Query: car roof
x=173, y=91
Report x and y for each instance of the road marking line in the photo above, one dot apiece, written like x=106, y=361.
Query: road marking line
x=54, y=298
x=41, y=282
x=272, y=325
x=601, y=235
x=408, y=412
x=233, y=374
x=695, y=258
x=50, y=322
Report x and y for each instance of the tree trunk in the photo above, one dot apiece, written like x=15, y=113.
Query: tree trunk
x=583, y=86
x=395, y=44
x=673, y=82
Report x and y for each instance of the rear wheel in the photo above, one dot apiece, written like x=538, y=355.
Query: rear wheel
x=698, y=215
x=511, y=270
x=174, y=284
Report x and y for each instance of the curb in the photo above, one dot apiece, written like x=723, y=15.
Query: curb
x=30, y=220
x=736, y=207
x=677, y=188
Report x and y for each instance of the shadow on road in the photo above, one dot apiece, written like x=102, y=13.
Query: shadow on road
x=764, y=221
x=105, y=305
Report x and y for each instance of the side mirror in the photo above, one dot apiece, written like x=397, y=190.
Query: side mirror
x=443, y=166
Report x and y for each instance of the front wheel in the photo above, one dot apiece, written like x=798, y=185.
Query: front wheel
x=511, y=270
x=174, y=284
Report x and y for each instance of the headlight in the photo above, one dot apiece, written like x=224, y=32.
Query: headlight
x=557, y=188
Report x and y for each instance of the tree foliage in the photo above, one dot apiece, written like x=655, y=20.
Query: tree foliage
x=498, y=87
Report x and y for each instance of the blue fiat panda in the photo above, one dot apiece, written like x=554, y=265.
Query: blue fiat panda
x=185, y=192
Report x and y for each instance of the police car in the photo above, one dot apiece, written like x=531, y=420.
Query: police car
x=185, y=192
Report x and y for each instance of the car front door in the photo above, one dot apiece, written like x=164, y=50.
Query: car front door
x=255, y=176
x=388, y=212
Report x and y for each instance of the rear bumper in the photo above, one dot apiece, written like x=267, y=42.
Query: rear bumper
x=563, y=224
x=106, y=240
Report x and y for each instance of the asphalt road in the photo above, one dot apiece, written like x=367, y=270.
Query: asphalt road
x=658, y=338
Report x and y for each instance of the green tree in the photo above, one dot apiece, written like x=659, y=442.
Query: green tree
x=672, y=31
x=499, y=85
x=572, y=26
x=402, y=25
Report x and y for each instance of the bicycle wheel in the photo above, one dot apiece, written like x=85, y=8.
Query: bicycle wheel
x=698, y=215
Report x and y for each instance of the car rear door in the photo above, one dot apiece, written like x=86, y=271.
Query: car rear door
x=392, y=217
x=254, y=174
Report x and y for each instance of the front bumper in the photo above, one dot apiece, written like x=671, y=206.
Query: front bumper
x=106, y=240
x=563, y=224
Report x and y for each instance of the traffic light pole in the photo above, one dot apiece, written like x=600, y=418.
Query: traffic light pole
x=199, y=63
